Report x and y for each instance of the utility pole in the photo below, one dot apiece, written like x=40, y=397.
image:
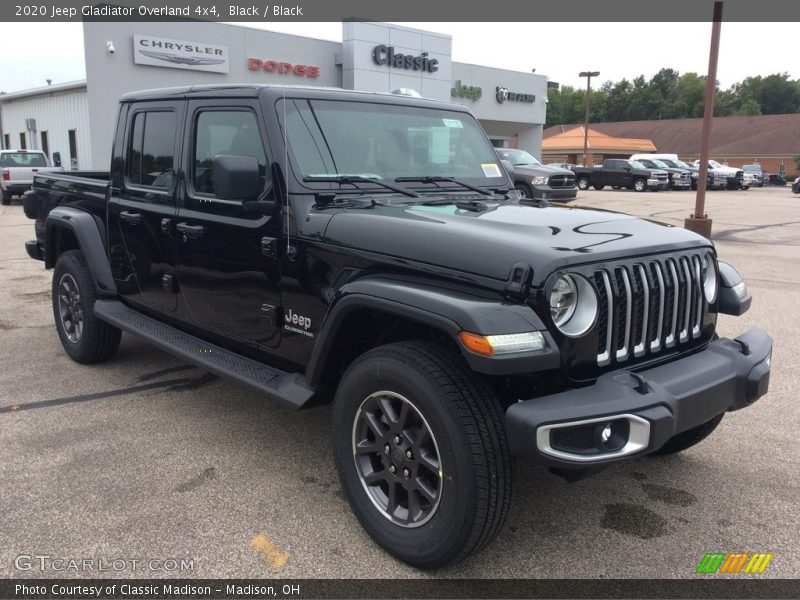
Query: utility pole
x=698, y=221
x=588, y=75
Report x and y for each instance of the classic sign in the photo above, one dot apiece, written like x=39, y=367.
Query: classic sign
x=385, y=55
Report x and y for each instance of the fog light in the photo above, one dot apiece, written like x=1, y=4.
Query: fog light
x=605, y=435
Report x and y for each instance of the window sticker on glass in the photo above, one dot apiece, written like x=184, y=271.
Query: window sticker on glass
x=490, y=169
x=453, y=123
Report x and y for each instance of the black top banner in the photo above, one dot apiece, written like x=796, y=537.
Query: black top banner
x=542, y=11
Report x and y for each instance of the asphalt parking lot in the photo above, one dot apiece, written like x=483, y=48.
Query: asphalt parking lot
x=147, y=458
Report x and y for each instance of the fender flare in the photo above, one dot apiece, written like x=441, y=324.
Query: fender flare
x=447, y=310
x=90, y=240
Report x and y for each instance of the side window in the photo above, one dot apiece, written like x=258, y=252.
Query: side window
x=152, y=149
x=232, y=132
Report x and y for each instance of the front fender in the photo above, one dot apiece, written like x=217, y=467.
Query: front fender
x=446, y=310
x=90, y=240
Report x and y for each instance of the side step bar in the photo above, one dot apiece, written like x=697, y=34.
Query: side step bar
x=289, y=389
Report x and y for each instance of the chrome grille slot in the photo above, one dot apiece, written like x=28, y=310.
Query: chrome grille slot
x=647, y=307
x=623, y=314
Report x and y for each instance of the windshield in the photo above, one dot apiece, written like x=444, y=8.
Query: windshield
x=752, y=168
x=518, y=157
x=661, y=164
x=387, y=141
x=22, y=159
x=636, y=164
x=715, y=164
x=684, y=165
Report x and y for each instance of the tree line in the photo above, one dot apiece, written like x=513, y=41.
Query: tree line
x=672, y=95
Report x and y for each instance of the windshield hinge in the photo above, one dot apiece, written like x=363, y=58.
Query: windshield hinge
x=519, y=282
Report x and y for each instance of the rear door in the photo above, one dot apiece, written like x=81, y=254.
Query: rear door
x=142, y=206
x=228, y=270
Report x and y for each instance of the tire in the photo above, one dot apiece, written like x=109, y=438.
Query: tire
x=86, y=339
x=526, y=193
x=466, y=436
x=745, y=187
x=583, y=183
x=640, y=185
x=6, y=198
x=689, y=438
x=598, y=187
x=615, y=187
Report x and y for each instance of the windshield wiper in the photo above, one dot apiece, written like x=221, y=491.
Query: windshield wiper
x=352, y=179
x=439, y=178
x=470, y=205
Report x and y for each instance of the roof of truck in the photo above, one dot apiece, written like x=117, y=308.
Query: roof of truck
x=254, y=90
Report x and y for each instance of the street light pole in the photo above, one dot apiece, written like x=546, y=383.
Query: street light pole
x=699, y=221
x=588, y=75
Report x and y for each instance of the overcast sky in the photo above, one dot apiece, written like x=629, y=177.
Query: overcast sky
x=557, y=50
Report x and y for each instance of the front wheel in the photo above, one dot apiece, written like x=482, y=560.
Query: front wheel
x=6, y=198
x=524, y=191
x=640, y=185
x=421, y=452
x=598, y=187
x=86, y=339
x=583, y=183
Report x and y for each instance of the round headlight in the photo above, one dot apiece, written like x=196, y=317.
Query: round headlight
x=573, y=305
x=709, y=274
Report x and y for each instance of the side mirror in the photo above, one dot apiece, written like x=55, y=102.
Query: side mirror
x=236, y=177
x=508, y=167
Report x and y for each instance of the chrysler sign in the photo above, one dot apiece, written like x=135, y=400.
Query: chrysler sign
x=179, y=54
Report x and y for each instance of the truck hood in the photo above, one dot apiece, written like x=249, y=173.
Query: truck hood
x=540, y=170
x=488, y=243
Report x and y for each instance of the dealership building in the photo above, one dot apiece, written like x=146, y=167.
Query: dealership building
x=76, y=119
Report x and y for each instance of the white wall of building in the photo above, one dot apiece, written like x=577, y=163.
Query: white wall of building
x=111, y=75
x=56, y=113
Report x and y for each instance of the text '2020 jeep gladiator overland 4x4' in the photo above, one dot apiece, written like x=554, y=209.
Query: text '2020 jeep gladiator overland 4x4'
x=369, y=249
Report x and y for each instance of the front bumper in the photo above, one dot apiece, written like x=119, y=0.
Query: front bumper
x=658, y=184
x=681, y=184
x=546, y=192
x=649, y=406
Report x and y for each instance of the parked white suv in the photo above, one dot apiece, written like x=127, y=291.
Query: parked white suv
x=733, y=177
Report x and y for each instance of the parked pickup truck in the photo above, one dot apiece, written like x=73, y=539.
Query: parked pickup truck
x=619, y=173
x=679, y=179
x=534, y=180
x=17, y=168
x=734, y=178
x=368, y=250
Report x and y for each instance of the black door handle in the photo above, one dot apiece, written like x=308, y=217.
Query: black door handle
x=131, y=217
x=192, y=231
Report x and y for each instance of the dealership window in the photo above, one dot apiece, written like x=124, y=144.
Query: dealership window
x=152, y=149
x=22, y=144
x=6, y=141
x=73, y=150
x=45, y=145
x=233, y=132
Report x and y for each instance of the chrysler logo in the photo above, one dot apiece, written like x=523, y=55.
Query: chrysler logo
x=182, y=60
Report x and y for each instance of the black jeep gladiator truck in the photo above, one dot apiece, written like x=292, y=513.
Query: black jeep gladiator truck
x=369, y=250
x=619, y=173
x=533, y=180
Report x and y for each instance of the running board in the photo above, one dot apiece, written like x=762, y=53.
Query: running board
x=289, y=389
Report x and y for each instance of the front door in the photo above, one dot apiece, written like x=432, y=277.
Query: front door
x=228, y=270
x=142, y=206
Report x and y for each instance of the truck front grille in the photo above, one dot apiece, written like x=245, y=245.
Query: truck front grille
x=648, y=307
x=562, y=181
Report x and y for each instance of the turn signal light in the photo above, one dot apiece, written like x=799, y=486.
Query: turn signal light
x=492, y=345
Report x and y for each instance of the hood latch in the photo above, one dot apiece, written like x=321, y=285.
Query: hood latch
x=519, y=282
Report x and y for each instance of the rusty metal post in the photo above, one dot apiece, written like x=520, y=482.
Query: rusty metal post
x=699, y=221
x=588, y=75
